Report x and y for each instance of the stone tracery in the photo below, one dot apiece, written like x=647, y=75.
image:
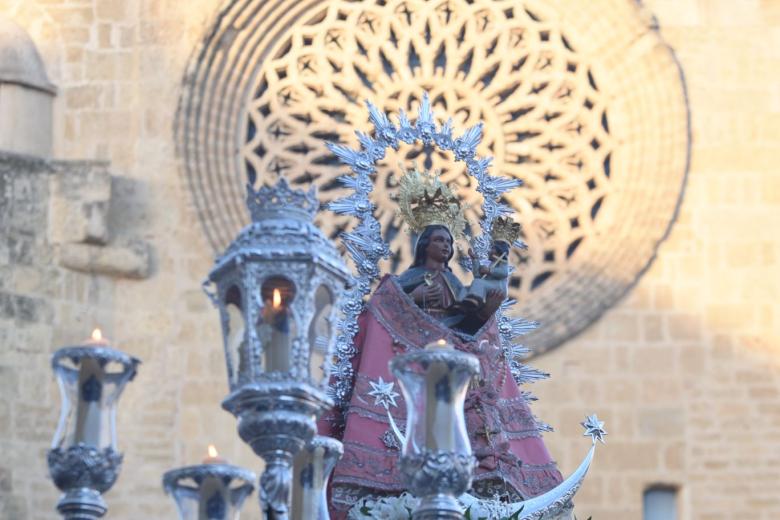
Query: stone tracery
x=545, y=118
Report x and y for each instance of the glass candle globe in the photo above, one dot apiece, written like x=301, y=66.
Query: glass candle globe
x=83, y=460
x=311, y=470
x=91, y=379
x=436, y=459
x=434, y=382
x=213, y=490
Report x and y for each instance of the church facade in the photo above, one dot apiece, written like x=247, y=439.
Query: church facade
x=651, y=213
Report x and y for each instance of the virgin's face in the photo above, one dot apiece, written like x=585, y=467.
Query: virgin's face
x=439, y=246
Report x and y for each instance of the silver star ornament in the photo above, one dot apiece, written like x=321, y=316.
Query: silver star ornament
x=594, y=428
x=383, y=393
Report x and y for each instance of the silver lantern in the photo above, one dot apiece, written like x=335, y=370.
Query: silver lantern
x=277, y=287
x=213, y=490
x=436, y=459
x=83, y=459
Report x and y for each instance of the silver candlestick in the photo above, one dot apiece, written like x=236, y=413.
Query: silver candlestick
x=278, y=290
x=83, y=460
x=436, y=458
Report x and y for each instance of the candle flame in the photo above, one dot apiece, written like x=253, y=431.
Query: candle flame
x=277, y=299
x=97, y=335
x=439, y=343
x=213, y=453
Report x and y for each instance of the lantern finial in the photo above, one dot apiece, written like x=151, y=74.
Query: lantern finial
x=281, y=199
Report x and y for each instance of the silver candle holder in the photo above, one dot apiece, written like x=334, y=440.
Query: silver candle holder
x=213, y=490
x=436, y=458
x=278, y=288
x=83, y=460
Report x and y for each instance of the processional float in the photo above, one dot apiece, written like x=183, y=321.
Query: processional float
x=289, y=309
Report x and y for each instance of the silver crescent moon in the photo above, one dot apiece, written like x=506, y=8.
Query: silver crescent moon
x=559, y=496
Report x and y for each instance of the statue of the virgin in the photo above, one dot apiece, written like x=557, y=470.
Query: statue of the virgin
x=425, y=303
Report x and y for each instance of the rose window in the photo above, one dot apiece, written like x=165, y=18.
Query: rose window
x=582, y=101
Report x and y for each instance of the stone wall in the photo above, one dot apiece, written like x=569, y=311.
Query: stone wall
x=685, y=370
x=118, y=66
x=50, y=297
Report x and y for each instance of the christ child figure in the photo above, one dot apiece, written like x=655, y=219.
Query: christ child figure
x=491, y=278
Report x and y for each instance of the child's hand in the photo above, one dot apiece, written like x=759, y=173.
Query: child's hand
x=483, y=269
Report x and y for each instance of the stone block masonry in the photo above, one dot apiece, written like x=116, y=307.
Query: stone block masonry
x=697, y=340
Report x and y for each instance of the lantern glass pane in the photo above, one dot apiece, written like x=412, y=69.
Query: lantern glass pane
x=90, y=388
x=276, y=326
x=320, y=333
x=234, y=331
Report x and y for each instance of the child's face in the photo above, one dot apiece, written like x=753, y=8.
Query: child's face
x=494, y=253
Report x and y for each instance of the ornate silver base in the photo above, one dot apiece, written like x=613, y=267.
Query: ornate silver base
x=83, y=466
x=277, y=420
x=438, y=472
x=81, y=504
x=438, y=507
x=438, y=477
x=83, y=472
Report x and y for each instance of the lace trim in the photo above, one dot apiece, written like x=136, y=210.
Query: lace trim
x=523, y=435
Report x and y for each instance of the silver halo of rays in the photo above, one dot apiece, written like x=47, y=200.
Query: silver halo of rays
x=366, y=246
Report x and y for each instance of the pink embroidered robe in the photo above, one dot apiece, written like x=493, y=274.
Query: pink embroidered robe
x=503, y=432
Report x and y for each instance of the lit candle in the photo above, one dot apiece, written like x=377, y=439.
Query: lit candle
x=442, y=343
x=213, y=495
x=213, y=456
x=440, y=414
x=213, y=499
x=96, y=338
x=275, y=334
x=89, y=419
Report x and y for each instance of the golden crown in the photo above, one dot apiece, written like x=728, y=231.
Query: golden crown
x=423, y=200
x=505, y=230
